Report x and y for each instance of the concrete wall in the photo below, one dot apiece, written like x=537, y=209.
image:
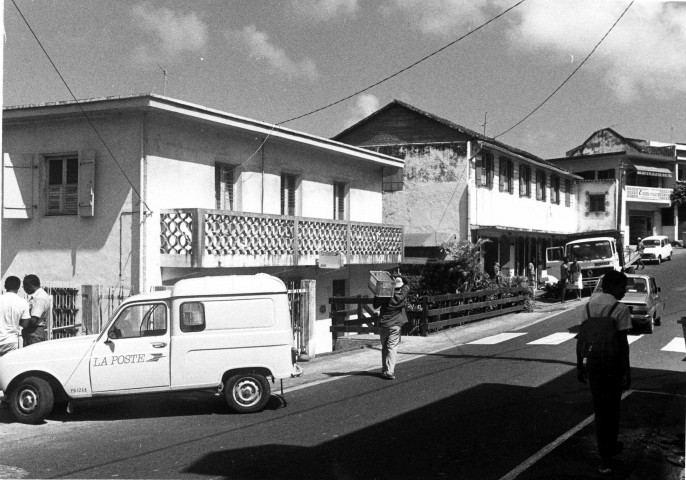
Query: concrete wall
x=70, y=248
x=588, y=221
x=434, y=195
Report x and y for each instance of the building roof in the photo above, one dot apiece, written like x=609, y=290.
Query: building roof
x=489, y=141
x=153, y=102
x=633, y=144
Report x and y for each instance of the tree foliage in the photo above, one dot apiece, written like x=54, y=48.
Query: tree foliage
x=678, y=195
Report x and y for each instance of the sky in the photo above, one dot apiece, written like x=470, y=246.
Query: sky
x=274, y=60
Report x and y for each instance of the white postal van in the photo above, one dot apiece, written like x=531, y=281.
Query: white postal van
x=225, y=333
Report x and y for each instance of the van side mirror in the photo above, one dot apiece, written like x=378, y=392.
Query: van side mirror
x=659, y=289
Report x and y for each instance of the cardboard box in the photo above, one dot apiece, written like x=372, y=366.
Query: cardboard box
x=381, y=283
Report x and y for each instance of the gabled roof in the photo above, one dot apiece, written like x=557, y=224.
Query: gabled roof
x=152, y=102
x=634, y=144
x=466, y=131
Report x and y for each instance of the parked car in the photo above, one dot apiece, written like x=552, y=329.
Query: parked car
x=656, y=248
x=643, y=299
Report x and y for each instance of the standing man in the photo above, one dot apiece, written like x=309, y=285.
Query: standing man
x=602, y=343
x=13, y=310
x=564, y=278
x=532, y=274
x=39, y=304
x=391, y=318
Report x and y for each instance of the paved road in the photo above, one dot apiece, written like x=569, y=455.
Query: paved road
x=491, y=404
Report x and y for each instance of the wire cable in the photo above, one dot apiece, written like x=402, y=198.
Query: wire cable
x=385, y=79
x=102, y=140
x=570, y=75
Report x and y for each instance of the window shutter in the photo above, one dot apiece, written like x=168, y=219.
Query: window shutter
x=85, y=196
x=477, y=170
x=19, y=185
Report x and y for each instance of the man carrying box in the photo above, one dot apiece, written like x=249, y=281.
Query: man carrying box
x=391, y=318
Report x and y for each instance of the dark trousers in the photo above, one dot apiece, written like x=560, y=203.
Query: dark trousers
x=33, y=335
x=605, y=380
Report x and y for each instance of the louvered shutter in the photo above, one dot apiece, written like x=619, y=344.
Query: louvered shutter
x=477, y=171
x=83, y=197
x=19, y=185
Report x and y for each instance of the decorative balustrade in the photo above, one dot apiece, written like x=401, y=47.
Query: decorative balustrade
x=218, y=238
x=648, y=194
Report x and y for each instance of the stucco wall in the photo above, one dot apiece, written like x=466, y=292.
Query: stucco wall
x=607, y=220
x=434, y=195
x=69, y=248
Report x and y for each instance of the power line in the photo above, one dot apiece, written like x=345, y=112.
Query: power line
x=135, y=190
x=385, y=79
x=570, y=75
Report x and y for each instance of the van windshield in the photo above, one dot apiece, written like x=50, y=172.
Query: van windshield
x=651, y=243
x=593, y=250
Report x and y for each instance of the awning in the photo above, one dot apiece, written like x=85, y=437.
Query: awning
x=651, y=170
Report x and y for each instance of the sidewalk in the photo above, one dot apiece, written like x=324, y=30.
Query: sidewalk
x=331, y=366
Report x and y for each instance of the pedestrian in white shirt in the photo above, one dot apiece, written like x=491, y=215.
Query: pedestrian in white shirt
x=33, y=330
x=13, y=309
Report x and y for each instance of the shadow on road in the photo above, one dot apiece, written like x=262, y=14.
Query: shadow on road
x=482, y=433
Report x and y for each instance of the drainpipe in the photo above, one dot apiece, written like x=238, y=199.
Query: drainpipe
x=142, y=210
x=470, y=193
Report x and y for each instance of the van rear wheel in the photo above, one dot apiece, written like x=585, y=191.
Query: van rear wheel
x=247, y=392
x=32, y=400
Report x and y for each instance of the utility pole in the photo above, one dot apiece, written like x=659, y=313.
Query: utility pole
x=485, y=122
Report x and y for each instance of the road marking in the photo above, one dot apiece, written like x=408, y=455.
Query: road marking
x=676, y=345
x=633, y=338
x=526, y=464
x=554, y=339
x=493, y=339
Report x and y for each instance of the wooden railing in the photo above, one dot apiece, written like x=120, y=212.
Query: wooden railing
x=429, y=313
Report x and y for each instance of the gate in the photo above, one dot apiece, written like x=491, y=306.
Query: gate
x=298, y=302
x=62, y=321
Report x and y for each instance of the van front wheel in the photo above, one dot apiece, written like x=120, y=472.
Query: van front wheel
x=247, y=392
x=32, y=400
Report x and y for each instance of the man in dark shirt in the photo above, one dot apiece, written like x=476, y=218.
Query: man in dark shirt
x=391, y=318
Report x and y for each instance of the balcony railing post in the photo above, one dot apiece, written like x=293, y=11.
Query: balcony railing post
x=198, y=238
x=296, y=244
x=348, y=240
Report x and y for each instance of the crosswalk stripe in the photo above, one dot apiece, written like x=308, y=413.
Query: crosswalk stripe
x=676, y=345
x=493, y=339
x=554, y=339
x=633, y=338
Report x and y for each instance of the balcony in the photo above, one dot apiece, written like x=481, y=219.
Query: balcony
x=648, y=194
x=199, y=238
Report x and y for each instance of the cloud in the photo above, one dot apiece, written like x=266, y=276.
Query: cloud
x=323, y=10
x=365, y=105
x=175, y=33
x=642, y=56
x=439, y=17
x=261, y=49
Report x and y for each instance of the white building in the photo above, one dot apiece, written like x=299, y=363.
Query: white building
x=144, y=190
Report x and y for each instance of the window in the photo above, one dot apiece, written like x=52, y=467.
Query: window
x=555, y=189
x=606, y=174
x=224, y=175
x=148, y=320
x=484, y=170
x=63, y=186
x=506, y=175
x=288, y=194
x=667, y=216
x=392, y=180
x=524, y=181
x=192, y=317
x=587, y=174
x=540, y=185
x=339, y=201
x=568, y=193
x=596, y=203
